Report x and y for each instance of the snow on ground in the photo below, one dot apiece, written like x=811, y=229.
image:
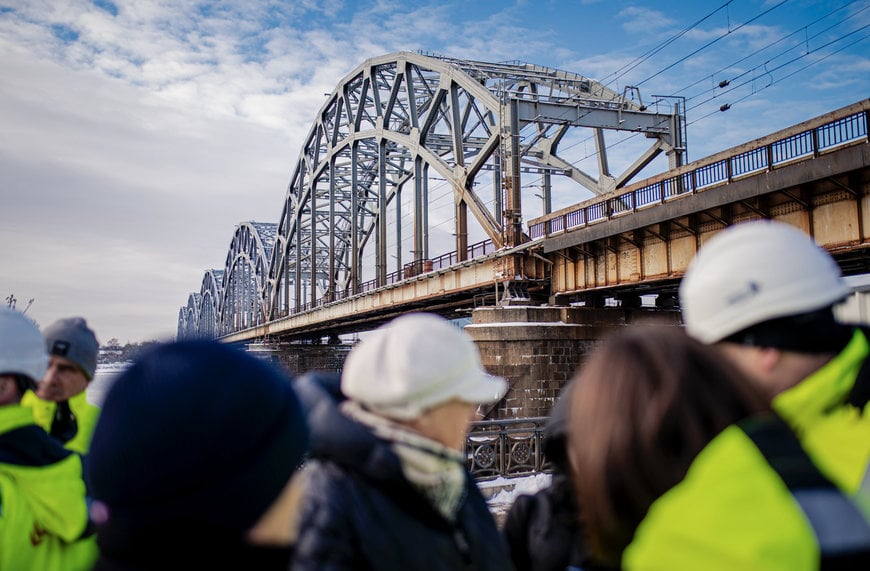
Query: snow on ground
x=501, y=492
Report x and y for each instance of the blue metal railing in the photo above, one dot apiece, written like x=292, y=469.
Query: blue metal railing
x=805, y=145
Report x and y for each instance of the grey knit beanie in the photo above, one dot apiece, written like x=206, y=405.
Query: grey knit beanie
x=73, y=339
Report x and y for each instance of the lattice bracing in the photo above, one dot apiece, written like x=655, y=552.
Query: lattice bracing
x=415, y=155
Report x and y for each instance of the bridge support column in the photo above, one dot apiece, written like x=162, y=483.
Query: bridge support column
x=538, y=349
x=299, y=358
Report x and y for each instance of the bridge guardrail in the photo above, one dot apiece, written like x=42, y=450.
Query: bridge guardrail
x=843, y=131
x=509, y=447
x=419, y=267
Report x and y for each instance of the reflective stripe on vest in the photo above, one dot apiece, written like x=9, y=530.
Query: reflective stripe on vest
x=842, y=531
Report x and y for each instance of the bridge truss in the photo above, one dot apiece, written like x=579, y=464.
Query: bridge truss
x=413, y=154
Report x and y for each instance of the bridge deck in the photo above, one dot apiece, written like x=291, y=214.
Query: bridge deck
x=639, y=240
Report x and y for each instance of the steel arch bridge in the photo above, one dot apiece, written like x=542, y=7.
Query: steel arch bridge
x=414, y=154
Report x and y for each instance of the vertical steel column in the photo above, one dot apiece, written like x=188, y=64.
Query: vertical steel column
x=312, y=249
x=354, y=220
x=397, y=199
x=514, y=212
x=424, y=206
x=461, y=230
x=461, y=227
x=419, y=230
x=330, y=286
x=546, y=192
x=497, y=190
x=298, y=269
x=381, y=234
x=677, y=157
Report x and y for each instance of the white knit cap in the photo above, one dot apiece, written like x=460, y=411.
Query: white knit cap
x=414, y=363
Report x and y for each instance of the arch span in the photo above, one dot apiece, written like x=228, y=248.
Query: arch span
x=414, y=154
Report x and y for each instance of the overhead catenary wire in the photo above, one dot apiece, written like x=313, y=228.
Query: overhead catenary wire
x=810, y=64
x=711, y=42
x=438, y=196
x=778, y=41
x=744, y=58
x=645, y=56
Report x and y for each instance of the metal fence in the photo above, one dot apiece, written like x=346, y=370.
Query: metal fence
x=507, y=448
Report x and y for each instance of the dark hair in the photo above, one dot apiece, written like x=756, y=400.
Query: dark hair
x=811, y=332
x=24, y=383
x=644, y=404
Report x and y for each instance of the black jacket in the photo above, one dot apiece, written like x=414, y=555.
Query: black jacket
x=359, y=511
x=543, y=529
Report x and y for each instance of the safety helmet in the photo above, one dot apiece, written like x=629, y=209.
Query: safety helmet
x=755, y=271
x=22, y=349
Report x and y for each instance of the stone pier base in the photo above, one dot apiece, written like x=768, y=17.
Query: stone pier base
x=299, y=358
x=538, y=349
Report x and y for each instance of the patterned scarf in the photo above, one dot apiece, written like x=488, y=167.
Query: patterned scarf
x=437, y=471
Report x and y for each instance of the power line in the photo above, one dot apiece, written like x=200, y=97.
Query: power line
x=756, y=52
x=775, y=42
x=770, y=71
x=785, y=76
x=711, y=42
x=643, y=57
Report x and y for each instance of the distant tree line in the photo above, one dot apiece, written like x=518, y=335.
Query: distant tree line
x=114, y=352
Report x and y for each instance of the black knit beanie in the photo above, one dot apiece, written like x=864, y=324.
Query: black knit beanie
x=194, y=434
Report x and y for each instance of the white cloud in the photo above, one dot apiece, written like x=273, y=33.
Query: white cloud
x=137, y=134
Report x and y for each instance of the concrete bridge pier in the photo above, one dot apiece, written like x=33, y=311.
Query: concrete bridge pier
x=299, y=358
x=538, y=349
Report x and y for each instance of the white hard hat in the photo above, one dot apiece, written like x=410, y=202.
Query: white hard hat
x=22, y=348
x=753, y=272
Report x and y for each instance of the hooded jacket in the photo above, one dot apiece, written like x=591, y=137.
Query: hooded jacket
x=43, y=508
x=360, y=512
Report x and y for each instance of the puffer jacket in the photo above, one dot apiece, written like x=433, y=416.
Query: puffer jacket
x=360, y=512
x=543, y=529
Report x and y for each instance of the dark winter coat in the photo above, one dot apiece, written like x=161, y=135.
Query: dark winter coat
x=542, y=530
x=359, y=511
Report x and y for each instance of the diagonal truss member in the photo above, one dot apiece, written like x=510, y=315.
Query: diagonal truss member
x=359, y=195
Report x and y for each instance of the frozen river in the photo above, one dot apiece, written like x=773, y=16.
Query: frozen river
x=101, y=382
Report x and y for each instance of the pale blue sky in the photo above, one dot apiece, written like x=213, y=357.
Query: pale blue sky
x=135, y=134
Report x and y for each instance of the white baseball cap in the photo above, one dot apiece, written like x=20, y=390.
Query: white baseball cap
x=416, y=362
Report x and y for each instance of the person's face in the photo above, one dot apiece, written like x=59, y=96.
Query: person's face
x=766, y=367
x=8, y=389
x=447, y=423
x=63, y=380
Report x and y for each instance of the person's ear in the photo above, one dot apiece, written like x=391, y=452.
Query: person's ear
x=767, y=358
